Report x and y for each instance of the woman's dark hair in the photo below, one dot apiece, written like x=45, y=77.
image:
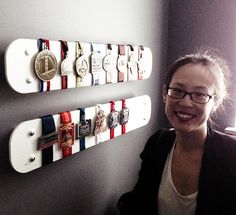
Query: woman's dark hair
x=214, y=63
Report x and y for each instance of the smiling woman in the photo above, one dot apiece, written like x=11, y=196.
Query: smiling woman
x=189, y=169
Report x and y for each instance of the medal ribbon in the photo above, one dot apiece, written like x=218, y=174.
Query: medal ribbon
x=43, y=44
x=65, y=119
x=64, y=51
x=140, y=55
x=123, y=126
x=121, y=51
x=48, y=126
x=112, y=130
x=82, y=119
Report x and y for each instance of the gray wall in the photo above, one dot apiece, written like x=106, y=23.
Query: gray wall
x=195, y=23
x=89, y=182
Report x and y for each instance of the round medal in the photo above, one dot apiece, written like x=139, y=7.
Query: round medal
x=122, y=63
x=45, y=65
x=66, y=67
x=109, y=63
x=81, y=66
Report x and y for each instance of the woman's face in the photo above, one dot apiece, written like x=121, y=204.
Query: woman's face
x=184, y=114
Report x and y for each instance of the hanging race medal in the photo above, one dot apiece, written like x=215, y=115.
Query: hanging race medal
x=113, y=119
x=66, y=134
x=109, y=65
x=100, y=122
x=45, y=64
x=81, y=64
x=141, y=63
x=124, y=116
x=121, y=63
x=66, y=64
x=132, y=65
x=96, y=65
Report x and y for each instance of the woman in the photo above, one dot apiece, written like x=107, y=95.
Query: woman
x=190, y=169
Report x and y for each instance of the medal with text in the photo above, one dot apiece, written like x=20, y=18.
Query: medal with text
x=109, y=65
x=81, y=64
x=45, y=65
x=122, y=63
x=96, y=65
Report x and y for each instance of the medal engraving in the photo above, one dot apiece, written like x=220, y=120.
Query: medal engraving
x=83, y=129
x=66, y=67
x=96, y=67
x=100, y=123
x=113, y=119
x=45, y=65
x=81, y=66
x=124, y=116
x=109, y=63
x=66, y=135
x=96, y=59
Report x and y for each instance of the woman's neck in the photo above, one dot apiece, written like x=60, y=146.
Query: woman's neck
x=190, y=141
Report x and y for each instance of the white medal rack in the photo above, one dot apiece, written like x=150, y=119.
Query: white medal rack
x=25, y=156
x=20, y=58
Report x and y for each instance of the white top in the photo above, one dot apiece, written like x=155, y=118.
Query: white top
x=170, y=201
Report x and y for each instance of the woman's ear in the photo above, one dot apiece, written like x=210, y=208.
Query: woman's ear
x=164, y=93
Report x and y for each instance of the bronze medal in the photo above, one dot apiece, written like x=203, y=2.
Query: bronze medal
x=100, y=123
x=45, y=65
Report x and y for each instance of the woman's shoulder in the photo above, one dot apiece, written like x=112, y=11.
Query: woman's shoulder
x=162, y=134
x=160, y=140
x=222, y=138
x=223, y=146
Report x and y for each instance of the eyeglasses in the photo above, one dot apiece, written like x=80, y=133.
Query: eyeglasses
x=200, y=98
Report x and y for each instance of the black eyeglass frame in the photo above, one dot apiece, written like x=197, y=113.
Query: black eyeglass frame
x=190, y=94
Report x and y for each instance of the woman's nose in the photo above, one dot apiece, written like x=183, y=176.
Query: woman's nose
x=186, y=101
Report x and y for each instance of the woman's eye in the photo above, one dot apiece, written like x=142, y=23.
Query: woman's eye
x=199, y=95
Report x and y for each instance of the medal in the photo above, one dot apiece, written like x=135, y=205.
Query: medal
x=83, y=129
x=66, y=64
x=100, y=123
x=81, y=64
x=132, y=65
x=66, y=67
x=66, y=134
x=121, y=63
x=96, y=65
x=109, y=65
x=45, y=65
x=113, y=120
x=124, y=117
x=141, y=64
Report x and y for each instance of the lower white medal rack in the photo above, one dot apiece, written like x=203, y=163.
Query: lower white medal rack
x=20, y=62
x=23, y=151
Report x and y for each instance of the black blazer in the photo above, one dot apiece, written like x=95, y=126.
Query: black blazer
x=217, y=180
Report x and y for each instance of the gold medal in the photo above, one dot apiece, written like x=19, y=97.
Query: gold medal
x=45, y=65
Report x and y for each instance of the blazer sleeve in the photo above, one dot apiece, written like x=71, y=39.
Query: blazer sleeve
x=139, y=200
